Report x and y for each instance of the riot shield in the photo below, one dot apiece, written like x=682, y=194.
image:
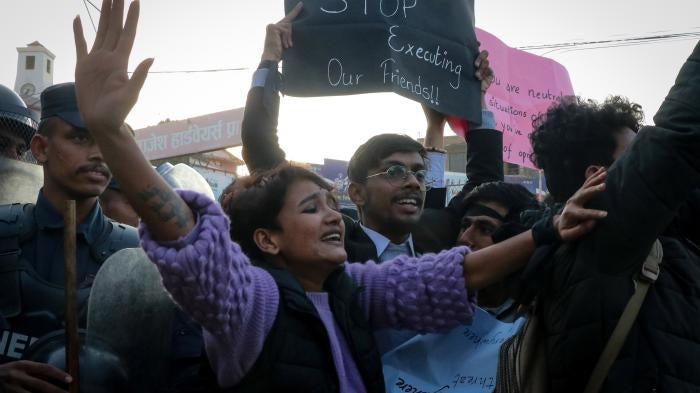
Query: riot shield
x=132, y=312
x=185, y=177
x=20, y=181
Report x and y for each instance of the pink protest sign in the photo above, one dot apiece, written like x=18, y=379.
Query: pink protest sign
x=524, y=87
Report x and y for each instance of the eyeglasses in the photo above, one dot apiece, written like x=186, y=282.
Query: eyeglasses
x=397, y=174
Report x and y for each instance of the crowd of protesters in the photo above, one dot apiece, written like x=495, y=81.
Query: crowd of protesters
x=278, y=290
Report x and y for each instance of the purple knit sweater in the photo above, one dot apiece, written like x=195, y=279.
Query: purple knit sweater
x=236, y=303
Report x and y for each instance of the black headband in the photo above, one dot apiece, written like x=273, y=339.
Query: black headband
x=478, y=209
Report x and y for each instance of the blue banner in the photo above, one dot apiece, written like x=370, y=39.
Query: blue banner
x=464, y=360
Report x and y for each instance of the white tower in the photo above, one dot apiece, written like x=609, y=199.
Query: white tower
x=35, y=66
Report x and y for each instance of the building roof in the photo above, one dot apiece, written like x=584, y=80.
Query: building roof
x=36, y=46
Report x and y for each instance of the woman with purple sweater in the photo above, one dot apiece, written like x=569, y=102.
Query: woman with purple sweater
x=300, y=318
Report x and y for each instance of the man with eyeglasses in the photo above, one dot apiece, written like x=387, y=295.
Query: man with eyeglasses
x=390, y=174
x=388, y=179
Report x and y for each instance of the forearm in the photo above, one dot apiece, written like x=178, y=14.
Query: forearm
x=261, y=150
x=206, y=262
x=434, y=136
x=213, y=281
x=680, y=111
x=654, y=177
x=423, y=294
x=159, y=207
x=492, y=264
x=484, y=158
x=485, y=151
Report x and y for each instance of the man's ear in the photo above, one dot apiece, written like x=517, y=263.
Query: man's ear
x=267, y=241
x=591, y=170
x=39, y=146
x=357, y=193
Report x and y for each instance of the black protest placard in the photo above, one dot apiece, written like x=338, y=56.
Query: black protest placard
x=421, y=49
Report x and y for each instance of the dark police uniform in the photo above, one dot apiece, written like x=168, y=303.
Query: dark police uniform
x=32, y=268
x=32, y=274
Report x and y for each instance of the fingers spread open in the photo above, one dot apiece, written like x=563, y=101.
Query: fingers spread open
x=139, y=77
x=103, y=25
x=115, y=25
x=126, y=40
x=80, y=44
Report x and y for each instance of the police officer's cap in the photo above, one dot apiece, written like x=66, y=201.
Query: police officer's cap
x=59, y=101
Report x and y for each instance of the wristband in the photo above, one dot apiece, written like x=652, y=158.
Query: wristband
x=544, y=233
x=269, y=64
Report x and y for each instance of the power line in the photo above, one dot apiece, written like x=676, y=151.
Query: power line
x=626, y=44
x=196, y=71
x=90, y=15
x=92, y=4
x=600, y=44
x=559, y=47
x=164, y=72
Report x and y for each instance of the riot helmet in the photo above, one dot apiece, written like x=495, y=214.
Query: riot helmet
x=17, y=124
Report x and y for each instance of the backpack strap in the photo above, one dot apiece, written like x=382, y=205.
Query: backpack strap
x=647, y=277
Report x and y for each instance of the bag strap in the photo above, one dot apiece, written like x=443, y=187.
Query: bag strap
x=648, y=275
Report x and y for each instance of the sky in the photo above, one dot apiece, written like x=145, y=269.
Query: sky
x=215, y=34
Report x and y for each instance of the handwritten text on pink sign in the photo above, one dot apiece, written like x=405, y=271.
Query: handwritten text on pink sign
x=525, y=86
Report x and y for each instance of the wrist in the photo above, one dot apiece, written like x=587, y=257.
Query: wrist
x=269, y=57
x=268, y=65
x=110, y=133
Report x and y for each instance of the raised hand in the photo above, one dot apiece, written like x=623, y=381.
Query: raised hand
x=279, y=35
x=575, y=220
x=104, y=90
x=433, y=118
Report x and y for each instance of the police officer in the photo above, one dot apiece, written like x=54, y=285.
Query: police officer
x=17, y=125
x=31, y=241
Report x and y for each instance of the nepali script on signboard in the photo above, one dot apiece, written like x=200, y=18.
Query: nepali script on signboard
x=200, y=134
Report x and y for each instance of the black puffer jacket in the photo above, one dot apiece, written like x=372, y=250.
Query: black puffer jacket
x=590, y=281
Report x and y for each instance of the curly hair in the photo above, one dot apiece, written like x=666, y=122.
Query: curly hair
x=259, y=202
x=576, y=133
